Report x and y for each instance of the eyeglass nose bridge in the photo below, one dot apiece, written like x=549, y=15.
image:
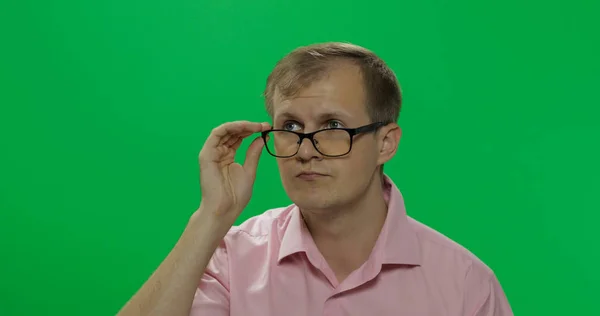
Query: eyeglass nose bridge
x=309, y=136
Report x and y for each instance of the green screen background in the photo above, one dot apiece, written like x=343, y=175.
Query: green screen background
x=106, y=104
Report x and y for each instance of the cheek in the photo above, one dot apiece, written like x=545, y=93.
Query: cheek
x=285, y=165
x=363, y=156
x=287, y=170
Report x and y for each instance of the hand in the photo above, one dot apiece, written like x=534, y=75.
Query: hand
x=226, y=185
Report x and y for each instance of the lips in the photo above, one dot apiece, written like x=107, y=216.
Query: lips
x=310, y=175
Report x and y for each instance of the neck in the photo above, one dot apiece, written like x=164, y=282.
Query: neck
x=349, y=232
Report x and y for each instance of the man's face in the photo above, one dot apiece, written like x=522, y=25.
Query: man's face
x=337, y=100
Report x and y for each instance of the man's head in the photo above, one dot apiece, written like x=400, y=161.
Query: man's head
x=324, y=86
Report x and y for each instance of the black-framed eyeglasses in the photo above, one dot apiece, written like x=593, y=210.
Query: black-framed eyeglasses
x=330, y=142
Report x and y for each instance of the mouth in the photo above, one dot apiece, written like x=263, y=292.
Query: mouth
x=310, y=175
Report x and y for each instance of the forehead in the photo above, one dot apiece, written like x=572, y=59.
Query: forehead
x=340, y=92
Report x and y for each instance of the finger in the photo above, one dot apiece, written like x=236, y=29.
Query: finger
x=252, y=156
x=225, y=139
x=236, y=128
x=242, y=135
x=265, y=126
x=237, y=144
x=232, y=129
x=229, y=140
x=232, y=140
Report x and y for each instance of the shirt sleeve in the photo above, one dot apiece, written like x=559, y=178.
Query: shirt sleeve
x=484, y=294
x=212, y=295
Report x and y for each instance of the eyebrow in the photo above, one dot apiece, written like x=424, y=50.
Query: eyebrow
x=335, y=114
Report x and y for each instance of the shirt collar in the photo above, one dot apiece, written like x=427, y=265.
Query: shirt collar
x=397, y=242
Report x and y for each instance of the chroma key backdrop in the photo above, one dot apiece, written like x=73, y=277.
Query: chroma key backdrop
x=104, y=106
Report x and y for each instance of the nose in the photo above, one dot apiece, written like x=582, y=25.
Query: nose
x=307, y=151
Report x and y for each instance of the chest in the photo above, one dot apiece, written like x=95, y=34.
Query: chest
x=306, y=291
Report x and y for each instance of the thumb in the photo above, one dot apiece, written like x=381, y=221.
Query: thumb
x=252, y=156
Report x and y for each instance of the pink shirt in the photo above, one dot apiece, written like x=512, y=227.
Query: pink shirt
x=270, y=266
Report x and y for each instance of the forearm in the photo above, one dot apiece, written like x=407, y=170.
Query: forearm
x=170, y=290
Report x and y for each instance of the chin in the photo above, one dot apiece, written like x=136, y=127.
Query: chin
x=311, y=195
x=314, y=203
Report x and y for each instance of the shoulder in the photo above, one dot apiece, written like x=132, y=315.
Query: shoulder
x=437, y=248
x=270, y=224
x=458, y=267
x=252, y=244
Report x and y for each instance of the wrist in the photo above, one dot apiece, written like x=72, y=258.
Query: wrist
x=206, y=220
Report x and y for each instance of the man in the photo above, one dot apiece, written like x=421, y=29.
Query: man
x=346, y=245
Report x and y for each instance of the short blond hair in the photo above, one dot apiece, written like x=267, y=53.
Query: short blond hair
x=306, y=64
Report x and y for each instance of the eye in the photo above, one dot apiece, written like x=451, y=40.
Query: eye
x=334, y=124
x=291, y=126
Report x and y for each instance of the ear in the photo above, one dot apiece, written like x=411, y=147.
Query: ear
x=389, y=138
